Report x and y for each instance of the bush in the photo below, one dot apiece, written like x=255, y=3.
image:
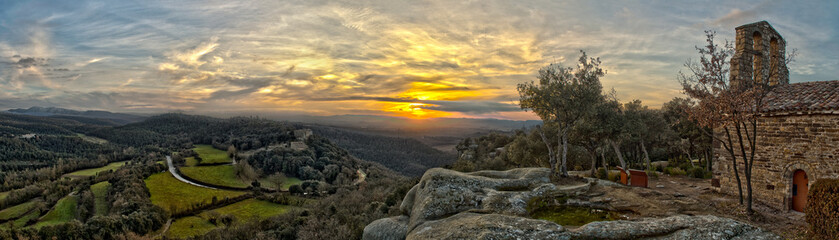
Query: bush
x=602, y=173
x=823, y=209
x=614, y=177
x=675, y=171
x=697, y=172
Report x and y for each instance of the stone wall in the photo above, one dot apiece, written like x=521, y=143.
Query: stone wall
x=758, y=46
x=785, y=143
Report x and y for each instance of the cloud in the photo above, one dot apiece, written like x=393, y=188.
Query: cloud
x=461, y=58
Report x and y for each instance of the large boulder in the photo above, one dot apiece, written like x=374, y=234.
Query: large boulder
x=392, y=228
x=488, y=226
x=442, y=192
x=447, y=204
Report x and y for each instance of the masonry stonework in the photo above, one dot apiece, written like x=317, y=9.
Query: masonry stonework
x=798, y=128
x=785, y=143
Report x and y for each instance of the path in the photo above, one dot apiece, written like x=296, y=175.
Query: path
x=177, y=175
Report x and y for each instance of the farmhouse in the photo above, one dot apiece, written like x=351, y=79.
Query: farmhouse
x=797, y=133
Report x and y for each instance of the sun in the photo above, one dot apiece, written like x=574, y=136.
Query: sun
x=413, y=110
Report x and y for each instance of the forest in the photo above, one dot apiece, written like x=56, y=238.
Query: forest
x=76, y=180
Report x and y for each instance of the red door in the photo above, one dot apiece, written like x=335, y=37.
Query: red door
x=799, y=190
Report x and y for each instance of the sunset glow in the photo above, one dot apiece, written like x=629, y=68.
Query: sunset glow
x=410, y=59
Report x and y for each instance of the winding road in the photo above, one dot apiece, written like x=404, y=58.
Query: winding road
x=177, y=175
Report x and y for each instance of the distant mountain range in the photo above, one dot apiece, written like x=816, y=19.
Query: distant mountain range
x=115, y=118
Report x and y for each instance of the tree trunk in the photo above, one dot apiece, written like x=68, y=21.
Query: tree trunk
x=551, y=157
x=690, y=159
x=646, y=155
x=593, y=163
x=618, y=152
x=734, y=164
x=564, y=168
x=603, y=158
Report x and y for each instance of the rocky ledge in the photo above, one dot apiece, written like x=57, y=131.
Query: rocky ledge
x=447, y=204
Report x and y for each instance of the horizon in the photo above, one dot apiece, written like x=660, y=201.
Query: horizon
x=423, y=60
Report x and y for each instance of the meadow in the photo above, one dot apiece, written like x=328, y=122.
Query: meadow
x=210, y=155
x=100, y=194
x=16, y=211
x=243, y=211
x=221, y=175
x=189, y=226
x=265, y=183
x=63, y=211
x=94, y=171
x=3, y=195
x=173, y=195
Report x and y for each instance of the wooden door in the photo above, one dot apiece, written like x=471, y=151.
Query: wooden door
x=799, y=190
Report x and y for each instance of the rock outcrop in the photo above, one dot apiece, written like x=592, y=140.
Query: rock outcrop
x=447, y=204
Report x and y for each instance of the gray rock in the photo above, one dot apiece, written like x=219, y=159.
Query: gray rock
x=393, y=228
x=446, y=204
x=488, y=226
x=674, y=227
x=443, y=192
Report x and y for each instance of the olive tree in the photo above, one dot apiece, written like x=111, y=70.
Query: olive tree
x=563, y=96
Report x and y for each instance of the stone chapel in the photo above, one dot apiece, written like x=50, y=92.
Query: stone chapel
x=798, y=131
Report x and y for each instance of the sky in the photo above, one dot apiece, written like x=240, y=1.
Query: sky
x=416, y=59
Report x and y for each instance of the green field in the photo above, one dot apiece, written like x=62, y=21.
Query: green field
x=173, y=195
x=92, y=139
x=100, y=193
x=221, y=175
x=63, y=211
x=189, y=226
x=288, y=182
x=94, y=171
x=20, y=222
x=243, y=211
x=16, y=211
x=3, y=195
x=210, y=155
x=190, y=161
x=250, y=209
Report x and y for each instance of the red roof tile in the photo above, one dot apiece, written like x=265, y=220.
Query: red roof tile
x=805, y=96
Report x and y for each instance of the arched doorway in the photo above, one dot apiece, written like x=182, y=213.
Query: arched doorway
x=799, y=190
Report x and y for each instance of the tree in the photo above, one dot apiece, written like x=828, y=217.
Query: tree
x=277, y=179
x=591, y=132
x=732, y=111
x=563, y=96
x=676, y=116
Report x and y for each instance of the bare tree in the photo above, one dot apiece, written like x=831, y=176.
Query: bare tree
x=733, y=111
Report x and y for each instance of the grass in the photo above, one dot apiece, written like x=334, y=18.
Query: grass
x=21, y=222
x=92, y=139
x=250, y=209
x=210, y=155
x=189, y=226
x=221, y=175
x=243, y=211
x=288, y=182
x=3, y=195
x=100, y=194
x=63, y=211
x=190, y=161
x=173, y=195
x=94, y=171
x=16, y=211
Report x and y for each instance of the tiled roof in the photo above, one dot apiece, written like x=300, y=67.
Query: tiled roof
x=804, y=96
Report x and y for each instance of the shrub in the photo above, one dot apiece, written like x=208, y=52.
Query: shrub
x=823, y=209
x=697, y=172
x=614, y=177
x=675, y=171
x=602, y=173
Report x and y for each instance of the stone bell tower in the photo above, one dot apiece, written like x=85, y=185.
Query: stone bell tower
x=759, y=56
